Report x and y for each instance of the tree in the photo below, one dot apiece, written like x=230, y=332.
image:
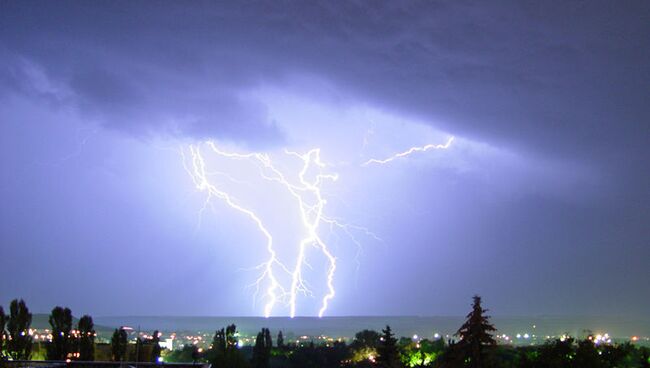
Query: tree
x=262, y=349
x=61, y=322
x=268, y=341
x=280, y=341
x=387, y=353
x=3, y=322
x=224, y=351
x=364, y=346
x=645, y=357
x=218, y=349
x=118, y=344
x=587, y=355
x=231, y=338
x=475, y=335
x=557, y=353
x=86, y=329
x=19, y=345
x=155, y=349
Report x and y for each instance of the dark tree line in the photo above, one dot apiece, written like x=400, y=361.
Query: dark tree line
x=68, y=343
x=16, y=338
x=475, y=347
x=144, y=350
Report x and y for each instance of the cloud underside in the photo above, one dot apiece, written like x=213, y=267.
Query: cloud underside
x=525, y=74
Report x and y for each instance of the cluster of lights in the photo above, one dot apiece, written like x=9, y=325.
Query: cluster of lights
x=601, y=339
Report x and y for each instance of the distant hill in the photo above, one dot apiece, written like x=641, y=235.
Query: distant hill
x=41, y=321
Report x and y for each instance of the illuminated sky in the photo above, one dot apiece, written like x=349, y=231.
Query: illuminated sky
x=541, y=203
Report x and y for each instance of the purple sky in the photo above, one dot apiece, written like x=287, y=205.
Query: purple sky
x=541, y=203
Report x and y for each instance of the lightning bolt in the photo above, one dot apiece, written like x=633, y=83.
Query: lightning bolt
x=306, y=189
x=312, y=217
x=197, y=171
x=409, y=152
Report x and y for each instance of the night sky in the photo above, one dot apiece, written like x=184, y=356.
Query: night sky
x=540, y=204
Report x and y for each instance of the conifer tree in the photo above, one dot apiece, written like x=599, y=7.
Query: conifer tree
x=475, y=336
x=388, y=355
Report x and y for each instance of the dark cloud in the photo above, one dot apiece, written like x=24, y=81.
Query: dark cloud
x=533, y=76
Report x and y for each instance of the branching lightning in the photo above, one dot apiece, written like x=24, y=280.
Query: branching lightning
x=409, y=152
x=197, y=170
x=305, y=186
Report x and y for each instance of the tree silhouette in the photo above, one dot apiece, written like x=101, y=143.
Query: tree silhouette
x=475, y=336
x=587, y=355
x=280, y=341
x=3, y=323
x=118, y=344
x=364, y=346
x=61, y=322
x=155, y=349
x=262, y=349
x=218, y=349
x=224, y=351
x=387, y=353
x=557, y=353
x=86, y=338
x=645, y=357
x=268, y=341
x=231, y=337
x=19, y=345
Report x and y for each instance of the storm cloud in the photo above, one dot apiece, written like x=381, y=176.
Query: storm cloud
x=561, y=85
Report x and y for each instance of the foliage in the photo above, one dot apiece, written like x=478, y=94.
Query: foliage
x=61, y=323
x=262, y=349
x=280, y=341
x=3, y=322
x=19, y=345
x=364, y=346
x=188, y=353
x=387, y=352
x=86, y=329
x=118, y=344
x=420, y=353
x=224, y=351
x=475, y=336
x=312, y=356
x=155, y=349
